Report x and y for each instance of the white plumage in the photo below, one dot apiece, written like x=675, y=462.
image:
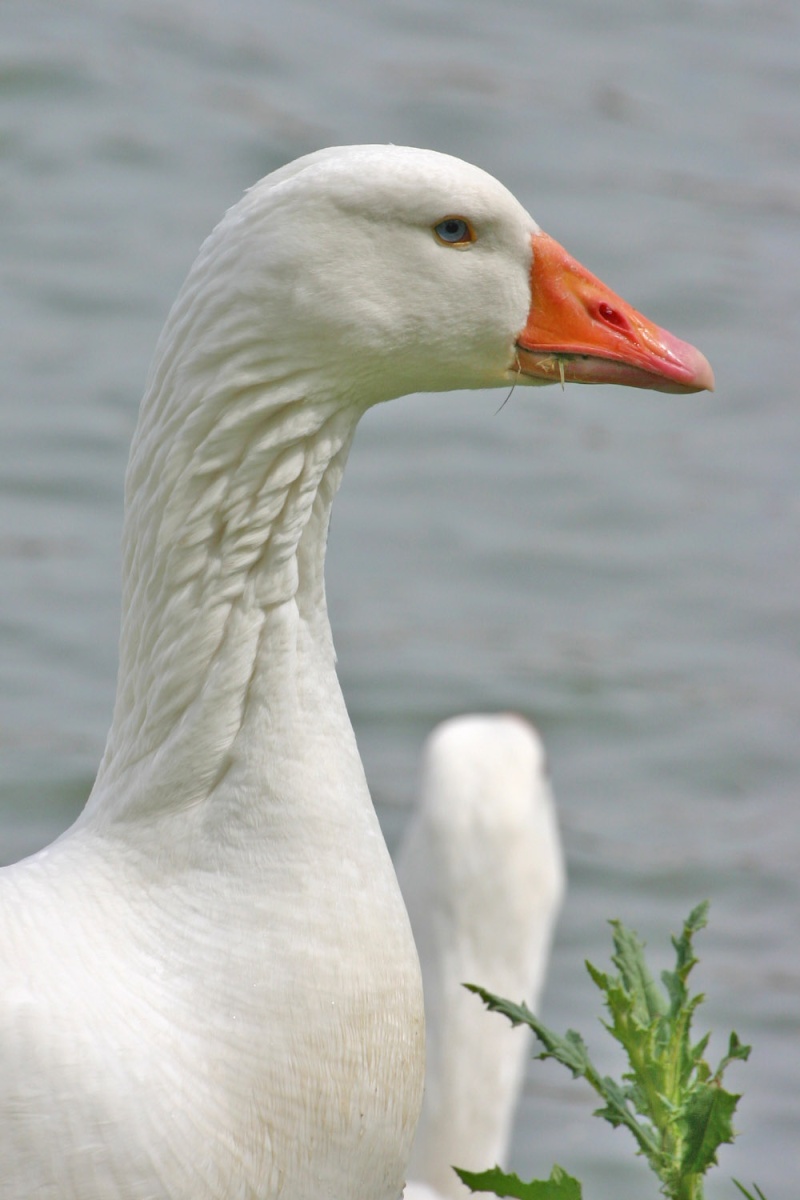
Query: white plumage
x=482, y=875
x=208, y=984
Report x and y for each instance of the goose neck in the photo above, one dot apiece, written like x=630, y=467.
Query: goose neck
x=226, y=650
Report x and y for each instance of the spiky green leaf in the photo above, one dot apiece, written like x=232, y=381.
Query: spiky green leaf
x=560, y=1185
x=570, y=1050
x=707, y=1114
x=737, y=1051
x=647, y=1001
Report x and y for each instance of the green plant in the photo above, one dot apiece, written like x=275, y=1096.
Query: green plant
x=560, y=1185
x=669, y=1099
x=749, y=1195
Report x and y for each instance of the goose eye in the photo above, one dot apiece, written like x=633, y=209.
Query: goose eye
x=455, y=231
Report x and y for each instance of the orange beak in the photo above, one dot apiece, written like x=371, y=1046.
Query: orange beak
x=579, y=331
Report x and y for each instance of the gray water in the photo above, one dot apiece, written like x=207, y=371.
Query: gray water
x=622, y=567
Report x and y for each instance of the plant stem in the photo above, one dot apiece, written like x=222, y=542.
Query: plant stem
x=690, y=1188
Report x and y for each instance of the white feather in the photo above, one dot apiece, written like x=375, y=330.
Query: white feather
x=209, y=987
x=482, y=874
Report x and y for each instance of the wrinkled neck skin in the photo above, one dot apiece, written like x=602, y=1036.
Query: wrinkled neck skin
x=232, y=474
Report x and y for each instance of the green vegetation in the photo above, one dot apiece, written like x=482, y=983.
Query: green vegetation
x=749, y=1195
x=669, y=1099
x=560, y=1185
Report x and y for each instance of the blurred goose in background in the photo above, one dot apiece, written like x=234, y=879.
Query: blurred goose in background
x=208, y=984
x=482, y=874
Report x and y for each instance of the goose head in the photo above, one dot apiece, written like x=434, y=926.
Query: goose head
x=387, y=269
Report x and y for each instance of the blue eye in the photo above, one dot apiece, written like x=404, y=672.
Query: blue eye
x=454, y=231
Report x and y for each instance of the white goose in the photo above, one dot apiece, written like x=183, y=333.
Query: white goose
x=482, y=875
x=208, y=985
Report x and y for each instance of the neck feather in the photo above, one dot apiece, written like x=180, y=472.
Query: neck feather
x=232, y=475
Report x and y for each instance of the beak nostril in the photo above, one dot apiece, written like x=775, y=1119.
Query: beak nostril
x=611, y=316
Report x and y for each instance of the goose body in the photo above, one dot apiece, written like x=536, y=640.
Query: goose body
x=208, y=984
x=482, y=874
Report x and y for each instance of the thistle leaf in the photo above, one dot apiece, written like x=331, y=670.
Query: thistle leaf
x=647, y=1000
x=707, y=1113
x=736, y=1050
x=560, y=1185
x=518, y=1014
x=685, y=959
x=570, y=1050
